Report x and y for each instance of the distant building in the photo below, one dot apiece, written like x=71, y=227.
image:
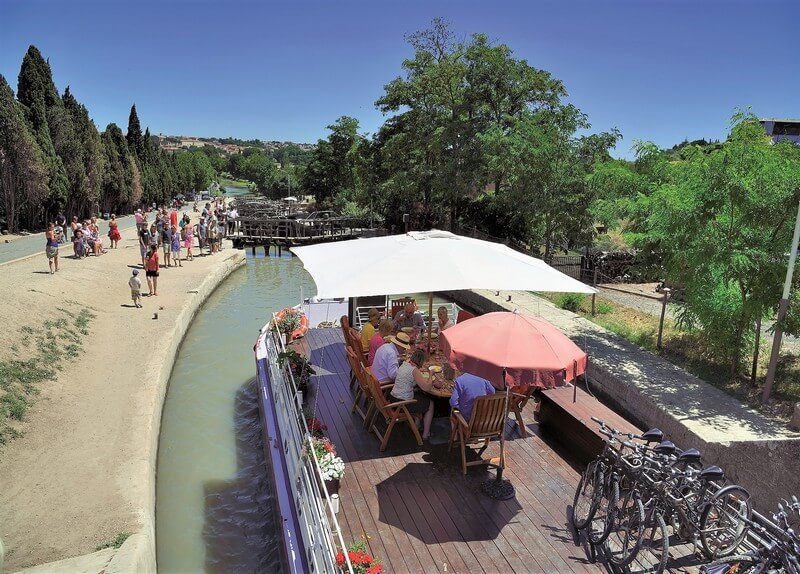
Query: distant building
x=782, y=129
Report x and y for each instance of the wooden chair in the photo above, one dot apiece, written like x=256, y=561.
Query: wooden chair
x=518, y=397
x=392, y=413
x=344, y=323
x=463, y=315
x=362, y=392
x=488, y=420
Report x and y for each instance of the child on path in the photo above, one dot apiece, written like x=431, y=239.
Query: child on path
x=136, y=288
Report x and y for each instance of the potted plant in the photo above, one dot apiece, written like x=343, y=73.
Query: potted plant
x=331, y=466
x=300, y=367
x=362, y=561
x=288, y=321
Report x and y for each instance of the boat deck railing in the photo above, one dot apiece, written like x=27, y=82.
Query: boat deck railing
x=311, y=534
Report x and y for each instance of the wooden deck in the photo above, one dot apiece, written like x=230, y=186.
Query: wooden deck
x=420, y=514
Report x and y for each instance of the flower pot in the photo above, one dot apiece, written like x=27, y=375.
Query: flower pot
x=332, y=486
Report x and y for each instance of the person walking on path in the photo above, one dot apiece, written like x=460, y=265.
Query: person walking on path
x=144, y=243
x=188, y=239
x=113, y=231
x=176, y=246
x=51, y=248
x=151, y=270
x=166, y=243
x=136, y=288
x=61, y=222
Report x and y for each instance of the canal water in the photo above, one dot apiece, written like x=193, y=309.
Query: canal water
x=213, y=504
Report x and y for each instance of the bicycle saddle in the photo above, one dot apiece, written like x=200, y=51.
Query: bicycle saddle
x=712, y=473
x=691, y=455
x=653, y=435
x=665, y=447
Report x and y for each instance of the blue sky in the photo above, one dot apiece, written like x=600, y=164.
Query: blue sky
x=657, y=70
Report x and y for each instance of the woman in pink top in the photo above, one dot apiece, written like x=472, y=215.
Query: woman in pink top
x=384, y=330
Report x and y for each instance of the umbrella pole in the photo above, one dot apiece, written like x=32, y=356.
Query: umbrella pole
x=430, y=319
x=499, y=488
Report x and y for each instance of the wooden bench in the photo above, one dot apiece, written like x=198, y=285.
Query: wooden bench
x=571, y=424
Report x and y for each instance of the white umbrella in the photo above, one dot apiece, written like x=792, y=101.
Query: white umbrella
x=426, y=261
x=290, y=198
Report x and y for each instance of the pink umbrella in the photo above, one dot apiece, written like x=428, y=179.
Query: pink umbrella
x=529, y=349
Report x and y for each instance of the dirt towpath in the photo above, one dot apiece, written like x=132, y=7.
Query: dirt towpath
x=77, y=477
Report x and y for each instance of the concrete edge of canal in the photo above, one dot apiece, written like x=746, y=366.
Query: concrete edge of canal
x=138, y=553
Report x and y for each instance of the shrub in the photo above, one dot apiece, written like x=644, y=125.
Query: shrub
x=570, y=301
x=602, y=308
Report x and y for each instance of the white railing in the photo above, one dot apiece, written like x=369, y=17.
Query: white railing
x=316, y=516
x=362, y=313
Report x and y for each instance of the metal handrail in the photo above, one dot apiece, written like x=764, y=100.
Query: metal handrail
x=316, y=516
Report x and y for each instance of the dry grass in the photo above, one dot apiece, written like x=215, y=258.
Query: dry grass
x=687, y=349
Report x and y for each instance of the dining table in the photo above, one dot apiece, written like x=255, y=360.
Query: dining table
x=434, y=365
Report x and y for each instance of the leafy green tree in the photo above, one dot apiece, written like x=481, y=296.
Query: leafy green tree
x=723, y=220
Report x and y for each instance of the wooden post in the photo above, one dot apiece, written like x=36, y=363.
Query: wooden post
x=430, y=319
x=755, y=351
x=253, y=249
x=594, y=295
x=661, y=321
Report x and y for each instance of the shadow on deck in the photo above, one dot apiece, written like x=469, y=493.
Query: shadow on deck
x=416, y=509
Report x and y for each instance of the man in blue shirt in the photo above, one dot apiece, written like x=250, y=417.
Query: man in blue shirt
x=469, y=387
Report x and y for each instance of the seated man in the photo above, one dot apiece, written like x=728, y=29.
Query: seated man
x=387, y=358
x=444, y=319
x=409, y=317
x=368, y=330
x=469, y=387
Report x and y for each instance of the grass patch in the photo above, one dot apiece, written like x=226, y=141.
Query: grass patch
x=47, y=347
x=689, y=350
x=118, y=541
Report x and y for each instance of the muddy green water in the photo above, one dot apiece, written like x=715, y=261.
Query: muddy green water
x=213, y=507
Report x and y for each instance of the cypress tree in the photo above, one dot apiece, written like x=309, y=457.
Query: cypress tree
x=37, y=92
x=23, y=176
x=134, y=135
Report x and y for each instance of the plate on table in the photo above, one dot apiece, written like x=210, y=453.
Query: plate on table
x=435, y=369
x=434, y=336
x=407, y=329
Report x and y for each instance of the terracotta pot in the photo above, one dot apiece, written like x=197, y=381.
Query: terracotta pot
x=332, y=486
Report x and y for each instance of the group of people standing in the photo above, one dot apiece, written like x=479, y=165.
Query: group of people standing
x=85, y=238
x=171, y=233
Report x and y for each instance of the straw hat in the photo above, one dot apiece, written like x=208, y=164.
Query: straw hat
x=401, y=340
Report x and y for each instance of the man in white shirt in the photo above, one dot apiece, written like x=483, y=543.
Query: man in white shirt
x=387, y=357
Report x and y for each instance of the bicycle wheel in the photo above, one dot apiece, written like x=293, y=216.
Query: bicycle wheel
x=585, y=501
x=600, y=524
x=731, y=565
x=626, y=529
x=654, y=550
x=721, y=526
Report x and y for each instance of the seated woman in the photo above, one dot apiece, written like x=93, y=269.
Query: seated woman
x=444, y=319
x=384, y=330
x=410, y=384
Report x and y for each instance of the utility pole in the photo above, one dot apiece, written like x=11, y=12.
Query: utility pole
x=783, y=307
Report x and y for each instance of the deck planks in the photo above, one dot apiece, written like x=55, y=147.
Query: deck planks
x=421, y=514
